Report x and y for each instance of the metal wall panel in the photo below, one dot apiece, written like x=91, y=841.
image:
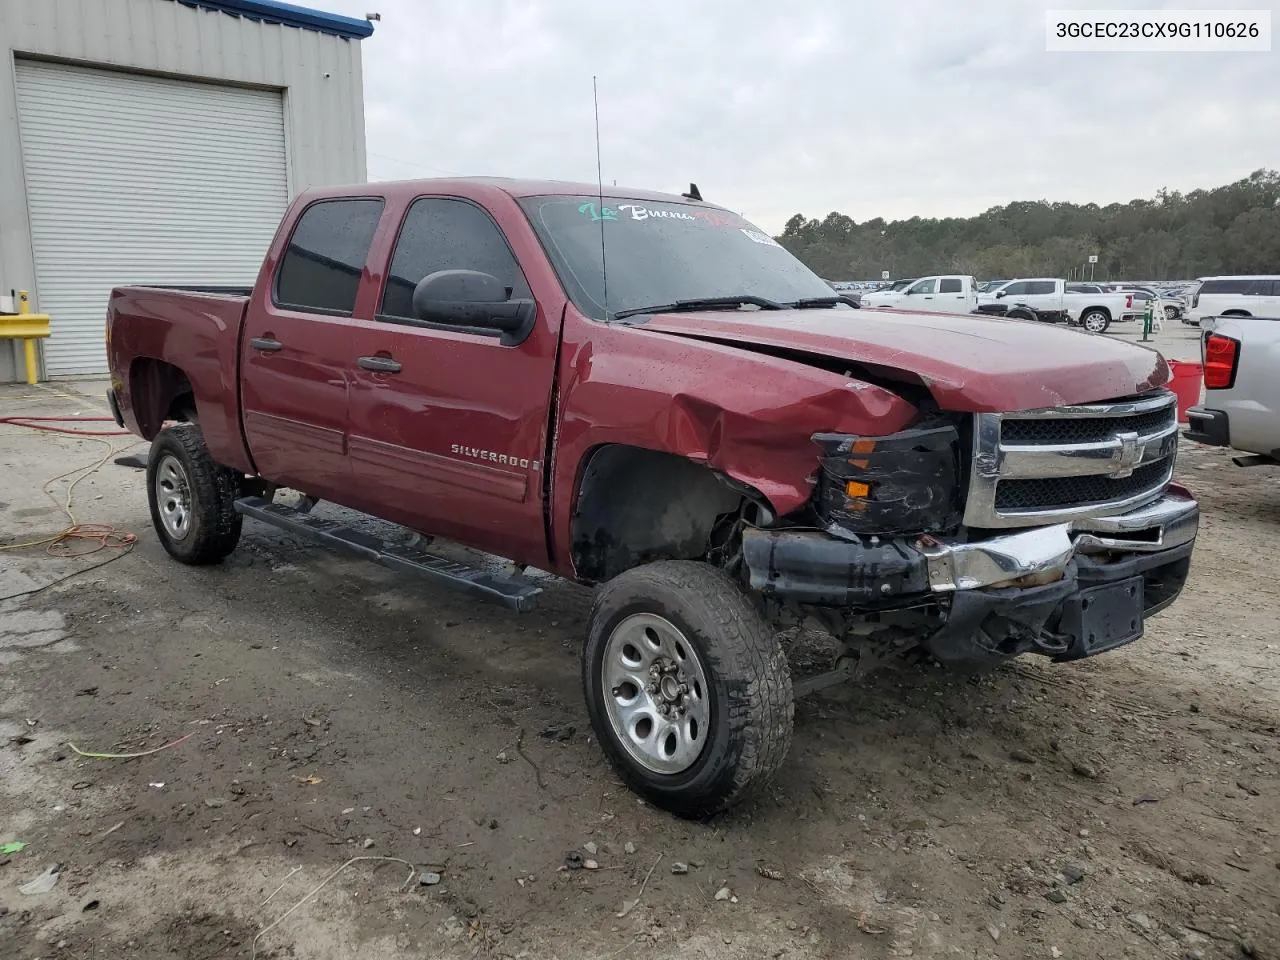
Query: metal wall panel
x=323, y=115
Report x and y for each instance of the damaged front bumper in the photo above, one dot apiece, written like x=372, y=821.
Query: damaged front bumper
x=1068, y=590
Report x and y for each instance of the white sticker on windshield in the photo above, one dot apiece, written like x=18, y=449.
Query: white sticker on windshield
x=644, y=213
x=760, y=237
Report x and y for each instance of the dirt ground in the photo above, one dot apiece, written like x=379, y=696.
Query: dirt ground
x=1126, y=806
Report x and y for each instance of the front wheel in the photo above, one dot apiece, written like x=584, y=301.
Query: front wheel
x=1095, y=321
x=192, y=498
x=1171, y=314
x=687, y=687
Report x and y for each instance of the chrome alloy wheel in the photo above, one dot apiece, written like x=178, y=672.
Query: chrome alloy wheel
x=655, y=693
x=173, y=497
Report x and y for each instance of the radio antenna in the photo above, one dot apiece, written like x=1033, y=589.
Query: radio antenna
x=604, y=267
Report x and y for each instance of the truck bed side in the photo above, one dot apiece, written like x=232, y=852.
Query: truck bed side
x=1248, y=410
x=169, y=348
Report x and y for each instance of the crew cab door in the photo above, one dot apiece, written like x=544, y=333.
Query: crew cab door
x=921, y=295
x=1012, y=293
x=448, y=425
x=295, y=350
x=955, y=295
x=1045, y=294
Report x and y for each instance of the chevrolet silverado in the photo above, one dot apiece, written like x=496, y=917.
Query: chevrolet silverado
x=646, y=393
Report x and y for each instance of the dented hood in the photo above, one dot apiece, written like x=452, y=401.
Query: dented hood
x=969, y=363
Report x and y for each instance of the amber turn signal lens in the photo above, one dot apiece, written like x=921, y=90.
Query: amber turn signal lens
x=855, y=489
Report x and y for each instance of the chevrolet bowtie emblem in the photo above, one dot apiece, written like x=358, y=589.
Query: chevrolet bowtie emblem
x=1128, y=456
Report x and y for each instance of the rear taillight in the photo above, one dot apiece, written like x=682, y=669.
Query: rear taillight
x=1128, y=302
x=1221, y=357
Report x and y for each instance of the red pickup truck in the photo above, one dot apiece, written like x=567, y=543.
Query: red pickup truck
x=646, y=392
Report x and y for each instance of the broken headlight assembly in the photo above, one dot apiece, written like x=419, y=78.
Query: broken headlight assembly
x=905, y=483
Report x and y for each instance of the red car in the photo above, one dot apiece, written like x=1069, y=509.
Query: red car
x=647, y=392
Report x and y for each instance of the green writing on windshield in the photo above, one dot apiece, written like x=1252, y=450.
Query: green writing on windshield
x=603, y=213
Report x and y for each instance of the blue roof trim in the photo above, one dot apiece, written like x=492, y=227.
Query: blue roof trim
x=272, y=11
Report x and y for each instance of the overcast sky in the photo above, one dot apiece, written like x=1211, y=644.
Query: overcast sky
x=894, y=109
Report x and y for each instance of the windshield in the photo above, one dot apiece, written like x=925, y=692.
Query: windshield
x=659, y=252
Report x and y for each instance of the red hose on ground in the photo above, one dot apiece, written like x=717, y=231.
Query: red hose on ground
x=103, y=534
x=34, y=423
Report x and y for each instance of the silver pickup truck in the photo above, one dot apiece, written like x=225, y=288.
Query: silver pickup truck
x=1241, y=407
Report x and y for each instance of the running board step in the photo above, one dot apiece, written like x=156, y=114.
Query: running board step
x=513, y=592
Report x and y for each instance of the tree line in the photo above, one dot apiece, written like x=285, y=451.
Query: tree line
x=1174, y=236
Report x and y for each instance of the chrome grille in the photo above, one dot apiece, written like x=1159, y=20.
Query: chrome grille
x=1063, y=463
x=1081, y=430
x=1060, y=493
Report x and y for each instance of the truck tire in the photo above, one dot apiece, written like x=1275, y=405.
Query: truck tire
x=687, y=687
x=192, y=498
x=1095, y=320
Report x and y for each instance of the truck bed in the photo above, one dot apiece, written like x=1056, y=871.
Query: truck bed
x=1243, y=416
x=153, y=332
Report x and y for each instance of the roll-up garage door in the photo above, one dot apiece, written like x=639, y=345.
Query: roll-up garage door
x=139, y=179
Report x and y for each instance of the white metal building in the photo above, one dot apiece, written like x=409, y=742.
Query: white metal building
x=158, y=141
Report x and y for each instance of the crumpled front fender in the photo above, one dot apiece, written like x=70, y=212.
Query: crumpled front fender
x=749, y=415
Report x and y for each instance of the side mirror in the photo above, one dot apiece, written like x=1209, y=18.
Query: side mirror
x=469, y=298
x=999, y=294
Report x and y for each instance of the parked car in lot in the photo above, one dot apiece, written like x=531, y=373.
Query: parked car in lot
x=1235, y=297
x=894, y=286
x=709, y=434
x=1093, y=311
x=942, y=294
x=1170, y=307
x=1241, y=407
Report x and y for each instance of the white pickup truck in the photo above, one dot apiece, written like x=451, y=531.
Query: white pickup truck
x=941, y=294
x=1093, y=311
x=1241, y=407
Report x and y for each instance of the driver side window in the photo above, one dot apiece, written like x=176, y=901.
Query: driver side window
x=925, y=286
x=1017, y=287
x=446, y=234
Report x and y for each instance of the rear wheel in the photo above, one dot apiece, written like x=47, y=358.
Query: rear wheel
x=192, y=498
x=687, y=687
x=1095, y=321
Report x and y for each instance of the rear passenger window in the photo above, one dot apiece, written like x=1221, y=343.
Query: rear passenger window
x=949, y=285
x=1225, y=286
x=444, y=234
x=321, y=268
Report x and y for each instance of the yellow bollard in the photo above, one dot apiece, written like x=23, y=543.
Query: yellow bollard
x=27, y=327
x=29, y=355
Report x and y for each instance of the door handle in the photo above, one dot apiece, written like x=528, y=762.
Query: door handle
x=380, y=364
x=266, y=344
